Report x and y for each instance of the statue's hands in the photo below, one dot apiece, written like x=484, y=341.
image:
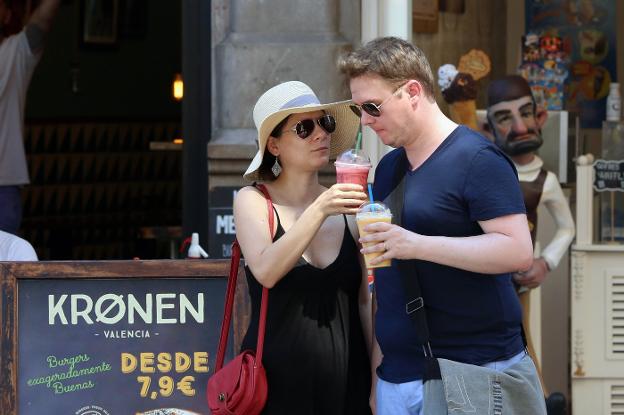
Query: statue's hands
x=534, y=276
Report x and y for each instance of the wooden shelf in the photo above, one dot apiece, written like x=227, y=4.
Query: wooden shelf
x=95, y=185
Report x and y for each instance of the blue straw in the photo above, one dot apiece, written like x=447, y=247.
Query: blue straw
x=370, y=192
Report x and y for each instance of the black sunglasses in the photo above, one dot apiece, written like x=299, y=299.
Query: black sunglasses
x=304, y=128
x=371, y=108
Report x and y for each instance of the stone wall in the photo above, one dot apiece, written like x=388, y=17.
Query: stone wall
x=258, y=44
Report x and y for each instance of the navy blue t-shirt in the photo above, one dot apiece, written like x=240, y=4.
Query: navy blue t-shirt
x=473, y=318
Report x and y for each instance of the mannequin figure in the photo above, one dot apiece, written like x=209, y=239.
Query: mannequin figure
x=515, y=122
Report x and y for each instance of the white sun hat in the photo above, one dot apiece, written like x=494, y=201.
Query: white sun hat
x=295, y=97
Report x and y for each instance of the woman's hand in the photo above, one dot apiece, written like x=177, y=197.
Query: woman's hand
x=341, y=198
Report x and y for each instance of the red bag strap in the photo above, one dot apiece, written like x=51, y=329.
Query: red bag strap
x=231, y=288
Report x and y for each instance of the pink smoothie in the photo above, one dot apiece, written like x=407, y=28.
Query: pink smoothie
x=349, y=173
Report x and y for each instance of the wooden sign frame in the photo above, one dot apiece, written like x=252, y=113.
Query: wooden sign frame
x=11, y=273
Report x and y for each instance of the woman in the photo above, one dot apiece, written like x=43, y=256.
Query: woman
x=318, y=328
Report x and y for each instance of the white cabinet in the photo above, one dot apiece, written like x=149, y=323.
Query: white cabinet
x=597, y=310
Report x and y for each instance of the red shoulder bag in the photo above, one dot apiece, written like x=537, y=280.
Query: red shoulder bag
x=240, y=387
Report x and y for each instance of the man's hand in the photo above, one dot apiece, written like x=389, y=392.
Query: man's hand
x=392, y=240
x=535, y=275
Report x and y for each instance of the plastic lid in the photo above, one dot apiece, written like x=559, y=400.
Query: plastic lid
x=352, y=156
x=374, y=209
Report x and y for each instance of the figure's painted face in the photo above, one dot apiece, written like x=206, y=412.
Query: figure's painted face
x=515, y=126
x=594, y=46
x=551, y=43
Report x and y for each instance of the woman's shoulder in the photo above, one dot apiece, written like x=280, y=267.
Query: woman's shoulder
x=248, y=198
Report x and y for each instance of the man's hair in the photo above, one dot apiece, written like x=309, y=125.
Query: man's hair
x=391, y=58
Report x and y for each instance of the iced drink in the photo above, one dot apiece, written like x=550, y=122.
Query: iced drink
x=372, y=213
x=352, y=166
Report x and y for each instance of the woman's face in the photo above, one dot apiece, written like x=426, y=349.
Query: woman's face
x=307, y=154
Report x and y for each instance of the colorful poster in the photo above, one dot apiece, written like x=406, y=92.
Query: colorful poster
x=123, y=346
x=587, y=30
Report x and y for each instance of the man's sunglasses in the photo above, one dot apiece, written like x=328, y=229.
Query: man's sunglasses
x=304, y=128
x=371, y=108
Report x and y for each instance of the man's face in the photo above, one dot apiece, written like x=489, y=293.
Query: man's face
x=515, y=126
x=389, y=125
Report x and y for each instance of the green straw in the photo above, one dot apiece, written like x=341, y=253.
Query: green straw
x=358, y=142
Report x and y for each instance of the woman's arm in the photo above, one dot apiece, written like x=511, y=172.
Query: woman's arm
x=270, y=261
x=376, y=358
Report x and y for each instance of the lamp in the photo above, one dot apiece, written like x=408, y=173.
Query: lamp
x=178, y=87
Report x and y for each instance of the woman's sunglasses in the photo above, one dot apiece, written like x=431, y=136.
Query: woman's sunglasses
x=304, y=128
x=371, y=108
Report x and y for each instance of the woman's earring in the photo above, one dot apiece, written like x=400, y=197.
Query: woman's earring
x=276, y=169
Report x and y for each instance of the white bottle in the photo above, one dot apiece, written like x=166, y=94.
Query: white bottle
x=614, y=103
x=195, y=251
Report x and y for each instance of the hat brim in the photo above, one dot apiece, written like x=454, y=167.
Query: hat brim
x=347, y=125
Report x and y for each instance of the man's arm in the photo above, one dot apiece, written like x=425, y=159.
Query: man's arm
x=505, y=246
x=40, y=22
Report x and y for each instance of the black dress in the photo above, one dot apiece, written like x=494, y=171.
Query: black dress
x=314, y=350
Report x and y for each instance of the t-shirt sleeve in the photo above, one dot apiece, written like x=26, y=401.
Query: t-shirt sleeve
x=492, y=188
x=21, y=250
x=25, y=57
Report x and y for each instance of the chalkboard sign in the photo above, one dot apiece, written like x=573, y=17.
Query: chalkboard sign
x=221, y=219
x=609, y=175
x=111, y=337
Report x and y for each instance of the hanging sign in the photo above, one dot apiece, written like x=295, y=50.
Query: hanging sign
x=609, y=175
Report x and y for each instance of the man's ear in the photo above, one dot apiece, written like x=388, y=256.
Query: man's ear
x=414, y=88
x=415, y=92
x=541, y=115
x=273, y=146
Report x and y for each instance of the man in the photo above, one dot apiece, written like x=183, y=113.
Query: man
x=463, y=227
x=515, y=122
x=19, y=54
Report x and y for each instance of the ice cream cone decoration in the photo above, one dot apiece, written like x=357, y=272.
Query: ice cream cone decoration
x=464, y=112
x=459, y=86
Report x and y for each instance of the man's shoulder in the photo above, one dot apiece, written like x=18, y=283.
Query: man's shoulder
x=14, y=248
x=391, y=157
x=471, y=140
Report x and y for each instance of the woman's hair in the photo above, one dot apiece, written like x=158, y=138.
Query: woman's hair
x=264, y=171
x=391, y=58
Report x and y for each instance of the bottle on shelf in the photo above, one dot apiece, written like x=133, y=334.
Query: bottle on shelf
x=614, y=103
x=195, y=251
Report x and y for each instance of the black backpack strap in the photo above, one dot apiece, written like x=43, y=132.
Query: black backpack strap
x=414, y=304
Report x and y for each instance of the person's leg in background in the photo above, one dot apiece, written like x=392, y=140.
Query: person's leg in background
x=10, y=209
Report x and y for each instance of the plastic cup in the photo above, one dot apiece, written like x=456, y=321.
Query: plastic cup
x=373, y=212
x=353, y=166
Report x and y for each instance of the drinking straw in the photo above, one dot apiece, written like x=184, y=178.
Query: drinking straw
x=370, y=192
x=358, y=141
